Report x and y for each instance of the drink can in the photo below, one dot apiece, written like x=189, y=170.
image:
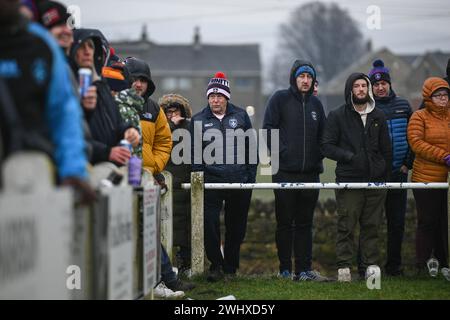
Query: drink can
x=134, y=171
x=126, y=144
x=85, y=77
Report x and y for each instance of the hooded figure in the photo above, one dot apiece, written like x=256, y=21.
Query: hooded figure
x=299, y=118
x=181, y=173
x=430, y=143
x=357, y=137
x=105, y=121
x=429, y=137
x=362, y=150
x=156, y=137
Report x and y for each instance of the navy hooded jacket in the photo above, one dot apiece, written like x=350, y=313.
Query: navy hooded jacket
x=301, y=122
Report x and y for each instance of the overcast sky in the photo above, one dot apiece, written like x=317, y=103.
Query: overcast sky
x=413, y=26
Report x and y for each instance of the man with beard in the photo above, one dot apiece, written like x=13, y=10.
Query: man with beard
x=357, y=137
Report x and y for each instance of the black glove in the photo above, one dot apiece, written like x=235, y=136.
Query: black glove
x=159, y=178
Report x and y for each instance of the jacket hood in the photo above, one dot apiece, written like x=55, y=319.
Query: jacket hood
x=349, y=86
x=139, y=68
x=100, y=43
x=292, y=80
x=429, y=87
x=170, y=99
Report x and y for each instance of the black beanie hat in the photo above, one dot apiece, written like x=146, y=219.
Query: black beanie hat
x=52, y=14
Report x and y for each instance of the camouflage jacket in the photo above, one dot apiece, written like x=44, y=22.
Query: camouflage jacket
x=130, y=107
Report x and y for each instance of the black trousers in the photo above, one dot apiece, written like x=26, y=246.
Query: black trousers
x=294, y=210
x=432, y=233
x=237, y=203
x=395, y=208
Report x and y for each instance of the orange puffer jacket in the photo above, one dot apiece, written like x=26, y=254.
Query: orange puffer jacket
x=429, y=136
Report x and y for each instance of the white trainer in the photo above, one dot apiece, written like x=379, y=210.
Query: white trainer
x=162, y=292
x=433, y=267
x=446, y=273
x=344, y=275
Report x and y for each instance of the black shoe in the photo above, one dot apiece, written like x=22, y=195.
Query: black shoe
x=214, y=275
x=394, y=273
x=178, y=285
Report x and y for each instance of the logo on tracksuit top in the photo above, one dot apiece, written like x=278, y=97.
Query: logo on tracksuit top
x=233, y=123
x=314, y=115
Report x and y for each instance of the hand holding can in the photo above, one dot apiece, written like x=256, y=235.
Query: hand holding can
x=85, y=78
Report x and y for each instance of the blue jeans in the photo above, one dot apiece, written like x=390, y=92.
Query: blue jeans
x=167, y=273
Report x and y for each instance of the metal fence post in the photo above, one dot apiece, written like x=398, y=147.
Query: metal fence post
x=197, y=244
x=167, y=216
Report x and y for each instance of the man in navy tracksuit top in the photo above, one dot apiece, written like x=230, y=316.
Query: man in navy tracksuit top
x=221, y=117
x=397, y=111
x=300, y=119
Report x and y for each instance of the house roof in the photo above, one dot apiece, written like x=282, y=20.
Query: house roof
x=399, y=70
x=191, y=59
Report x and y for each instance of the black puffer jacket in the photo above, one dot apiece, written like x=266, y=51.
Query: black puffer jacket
x=363, y=153
x=301, y=121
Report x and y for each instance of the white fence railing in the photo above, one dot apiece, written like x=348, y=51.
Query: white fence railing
x=197, y=188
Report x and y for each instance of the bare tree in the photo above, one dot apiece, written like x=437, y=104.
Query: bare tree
x=322, y=33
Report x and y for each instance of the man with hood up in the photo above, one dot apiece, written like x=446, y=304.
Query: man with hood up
x=105, y=121
x=156, y=135
x=300, y=119
x=357, y=137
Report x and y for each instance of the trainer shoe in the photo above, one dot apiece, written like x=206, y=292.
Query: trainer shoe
x=162, y=292
x=446, y=273
x=433, y=267
x=285, y=274
x=178, y=285
x=215, y=275
x=344, y=275
x=310, y=276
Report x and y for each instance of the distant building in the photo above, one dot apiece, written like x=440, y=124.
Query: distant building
x=408, y=72
x=187, y=68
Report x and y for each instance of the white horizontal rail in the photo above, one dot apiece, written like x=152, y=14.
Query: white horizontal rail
x=352, y=185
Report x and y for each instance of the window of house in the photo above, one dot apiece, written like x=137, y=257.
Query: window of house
x=172, y=83
x=244, y=84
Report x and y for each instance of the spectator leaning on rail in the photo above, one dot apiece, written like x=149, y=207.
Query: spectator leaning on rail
x=157, y=144
x=38, y=109
x=397, y=112
x=53, y=15
x=357, y=137
x=219, y=116
x=156, y=136
x=105, y=121
x=300, y=118
x=429, y=137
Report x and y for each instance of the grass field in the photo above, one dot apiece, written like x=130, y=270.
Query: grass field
x=269, y=287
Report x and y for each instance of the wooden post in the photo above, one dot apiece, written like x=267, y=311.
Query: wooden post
x=197, y=244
